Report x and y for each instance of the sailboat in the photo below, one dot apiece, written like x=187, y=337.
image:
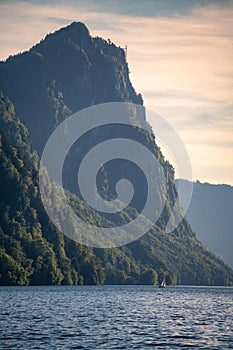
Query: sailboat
x=163, y=283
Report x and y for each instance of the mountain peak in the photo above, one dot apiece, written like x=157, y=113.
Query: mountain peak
x=77, y=28
x=76, y=31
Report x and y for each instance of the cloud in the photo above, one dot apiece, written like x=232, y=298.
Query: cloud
x=180, y=60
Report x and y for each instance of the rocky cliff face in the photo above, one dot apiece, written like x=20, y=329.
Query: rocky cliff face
x=67, y=71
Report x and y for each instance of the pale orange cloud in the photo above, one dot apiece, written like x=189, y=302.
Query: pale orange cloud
x=182, y=65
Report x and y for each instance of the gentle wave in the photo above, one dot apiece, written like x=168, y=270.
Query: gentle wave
x=115, y=317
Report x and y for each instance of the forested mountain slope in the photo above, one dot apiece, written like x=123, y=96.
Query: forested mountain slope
x=66, y=72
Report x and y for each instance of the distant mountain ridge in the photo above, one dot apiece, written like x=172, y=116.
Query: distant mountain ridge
x=210, y=215
x=64, y=73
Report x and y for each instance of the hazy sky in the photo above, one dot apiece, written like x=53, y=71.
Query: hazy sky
x=180, y=55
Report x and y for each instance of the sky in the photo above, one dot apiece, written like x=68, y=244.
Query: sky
x=180, y=55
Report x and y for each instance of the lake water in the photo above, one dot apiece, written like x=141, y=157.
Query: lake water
x=116, y=317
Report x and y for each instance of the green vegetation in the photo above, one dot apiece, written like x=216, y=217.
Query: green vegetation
x=33, y=251
x=60, y=75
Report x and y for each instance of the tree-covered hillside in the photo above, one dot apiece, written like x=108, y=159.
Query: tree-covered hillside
x=67, y=71
x=34, y=252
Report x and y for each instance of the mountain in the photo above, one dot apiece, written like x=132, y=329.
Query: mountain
x=65, y=72
x=210, y=214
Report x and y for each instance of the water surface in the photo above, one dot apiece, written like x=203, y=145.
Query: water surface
x=116, y=317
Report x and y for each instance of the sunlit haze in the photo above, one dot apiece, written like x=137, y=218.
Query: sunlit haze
x=180, y=56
